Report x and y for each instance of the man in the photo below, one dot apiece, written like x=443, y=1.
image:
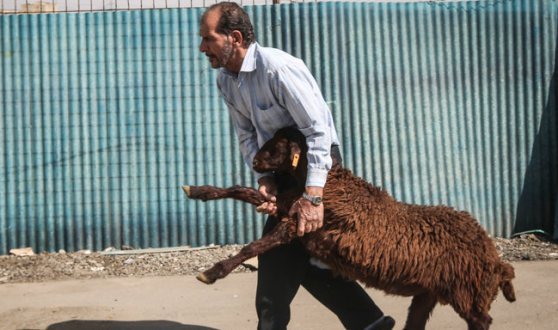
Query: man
x=266, y=89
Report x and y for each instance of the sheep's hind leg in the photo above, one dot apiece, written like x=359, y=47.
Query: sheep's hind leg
x=479, y=321
x=419, y=311
x=205, y=193
x=282, y=233
x=476, y=315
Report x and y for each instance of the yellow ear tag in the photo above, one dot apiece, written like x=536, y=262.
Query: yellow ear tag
x=295, y=160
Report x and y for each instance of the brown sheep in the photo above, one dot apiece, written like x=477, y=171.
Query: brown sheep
x=433, y=253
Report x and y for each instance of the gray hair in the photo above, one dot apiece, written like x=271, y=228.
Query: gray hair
x=233, y=17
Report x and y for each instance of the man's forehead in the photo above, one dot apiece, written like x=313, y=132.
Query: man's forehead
x=210, y=19
x=204, y=30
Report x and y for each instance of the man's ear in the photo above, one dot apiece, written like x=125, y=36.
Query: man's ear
x=237, y=38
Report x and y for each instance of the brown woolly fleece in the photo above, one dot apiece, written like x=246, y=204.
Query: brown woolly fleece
x=433, y=253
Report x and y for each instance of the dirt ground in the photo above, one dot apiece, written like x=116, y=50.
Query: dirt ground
x=183, y=303
x=188, y=261
x=143, y=290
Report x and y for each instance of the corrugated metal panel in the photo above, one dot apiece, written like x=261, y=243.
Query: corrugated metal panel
x=105, y=115
x=440, y=102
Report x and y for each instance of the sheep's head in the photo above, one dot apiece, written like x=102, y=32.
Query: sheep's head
x=284, y=153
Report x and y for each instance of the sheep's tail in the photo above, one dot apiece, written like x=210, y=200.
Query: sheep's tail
x=507, y=273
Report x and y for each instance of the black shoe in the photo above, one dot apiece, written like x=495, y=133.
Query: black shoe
x=385, y=322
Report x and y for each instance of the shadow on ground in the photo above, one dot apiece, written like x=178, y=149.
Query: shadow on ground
x=124, y=325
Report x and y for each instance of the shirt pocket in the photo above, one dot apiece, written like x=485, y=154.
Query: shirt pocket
x=264, y=100
x=265, y=105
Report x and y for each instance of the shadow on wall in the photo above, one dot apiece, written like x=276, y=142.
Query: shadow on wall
x=537, y=208
x=124, y=325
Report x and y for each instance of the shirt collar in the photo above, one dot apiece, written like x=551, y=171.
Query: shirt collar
x=249, y=63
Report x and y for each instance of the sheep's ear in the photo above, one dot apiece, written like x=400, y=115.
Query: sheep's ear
x=295, y=153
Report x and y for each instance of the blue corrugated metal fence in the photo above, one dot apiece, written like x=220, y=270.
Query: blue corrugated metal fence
x=103, y=116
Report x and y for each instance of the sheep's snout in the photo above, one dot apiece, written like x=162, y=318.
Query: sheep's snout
x=259, y=164
x=256, y=163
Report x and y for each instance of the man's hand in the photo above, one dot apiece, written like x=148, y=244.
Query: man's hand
x=268, y=189
x=310, y=217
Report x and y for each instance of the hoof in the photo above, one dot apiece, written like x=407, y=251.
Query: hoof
x=202, y=278
x=186, y=190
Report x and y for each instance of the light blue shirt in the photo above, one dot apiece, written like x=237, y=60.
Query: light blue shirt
x=274, y=90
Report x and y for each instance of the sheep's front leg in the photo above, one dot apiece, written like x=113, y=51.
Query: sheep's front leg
x=205, y=193
x=282, y=233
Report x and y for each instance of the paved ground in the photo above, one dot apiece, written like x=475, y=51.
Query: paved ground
x=182, y=303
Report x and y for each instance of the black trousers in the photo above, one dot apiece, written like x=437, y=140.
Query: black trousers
x=282, y=270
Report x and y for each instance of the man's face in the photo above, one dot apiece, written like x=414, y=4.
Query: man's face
x=217, y=47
